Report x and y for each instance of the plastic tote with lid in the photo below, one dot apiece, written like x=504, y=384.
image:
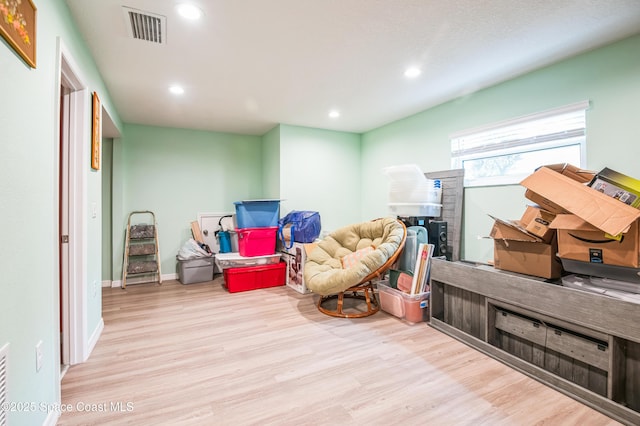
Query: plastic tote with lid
x=411, y=193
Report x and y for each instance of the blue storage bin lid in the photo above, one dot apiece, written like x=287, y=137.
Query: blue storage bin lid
x=265, y=200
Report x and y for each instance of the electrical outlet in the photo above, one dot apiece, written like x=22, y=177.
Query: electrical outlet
x=39, y=356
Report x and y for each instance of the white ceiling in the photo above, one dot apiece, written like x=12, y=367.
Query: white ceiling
x=250, y=64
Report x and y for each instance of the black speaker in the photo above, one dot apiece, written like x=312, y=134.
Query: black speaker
x=414, y=220
x=438, y=237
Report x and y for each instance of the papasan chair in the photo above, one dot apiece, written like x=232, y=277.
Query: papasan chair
x=344, y=263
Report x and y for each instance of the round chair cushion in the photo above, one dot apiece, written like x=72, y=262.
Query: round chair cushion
x=323, y=271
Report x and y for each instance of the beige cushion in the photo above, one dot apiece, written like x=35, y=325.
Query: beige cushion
x=323, y=272
x=354, y=259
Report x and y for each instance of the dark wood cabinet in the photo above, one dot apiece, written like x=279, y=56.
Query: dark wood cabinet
x=583, y=344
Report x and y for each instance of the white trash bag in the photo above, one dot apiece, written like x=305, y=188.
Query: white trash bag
x=192, y=250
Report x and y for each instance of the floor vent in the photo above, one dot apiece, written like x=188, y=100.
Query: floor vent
x=4, y=372
x=145, y=25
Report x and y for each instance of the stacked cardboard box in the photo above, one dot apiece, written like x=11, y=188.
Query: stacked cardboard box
x=594, y=230
x=519, y=250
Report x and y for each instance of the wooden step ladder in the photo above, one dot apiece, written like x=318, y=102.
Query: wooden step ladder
x=141, y=247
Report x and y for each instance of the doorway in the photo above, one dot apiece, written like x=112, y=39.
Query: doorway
x=73, y=104
x=63, y=224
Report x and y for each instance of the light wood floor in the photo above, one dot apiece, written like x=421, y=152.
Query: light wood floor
x=196, y=355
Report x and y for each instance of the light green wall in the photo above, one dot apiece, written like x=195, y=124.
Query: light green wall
x=609, y=77
x=28, y=208
x=271, y=163
x=320, y=170
x=177, y=174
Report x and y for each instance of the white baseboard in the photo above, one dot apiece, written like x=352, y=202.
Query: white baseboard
x=52, y=418
x=107, y=283
x=142, y=280
x=93, y=340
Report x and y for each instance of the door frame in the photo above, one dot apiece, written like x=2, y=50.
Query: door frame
x=75, y=347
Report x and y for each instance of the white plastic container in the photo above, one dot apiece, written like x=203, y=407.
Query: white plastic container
x=404, y=172
x=427, y=193
x=407, y=184
x=416, y=209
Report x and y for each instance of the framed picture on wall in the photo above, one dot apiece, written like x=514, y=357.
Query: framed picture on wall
x=18, y=27
x=96, y=131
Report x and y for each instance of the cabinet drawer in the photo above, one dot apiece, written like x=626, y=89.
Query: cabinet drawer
x=521, y=326
x=589, y=351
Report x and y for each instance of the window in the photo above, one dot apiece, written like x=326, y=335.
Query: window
x=507, y=152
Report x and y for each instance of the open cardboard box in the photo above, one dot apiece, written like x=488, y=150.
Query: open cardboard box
x=590, y=216
x=517, y=250
x=536, y=221
x=574, y=173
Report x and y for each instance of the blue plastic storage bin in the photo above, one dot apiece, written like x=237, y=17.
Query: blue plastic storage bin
x=257, y=213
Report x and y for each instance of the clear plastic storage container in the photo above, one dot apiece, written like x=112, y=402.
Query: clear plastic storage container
x=234, y=260
x=412, y=308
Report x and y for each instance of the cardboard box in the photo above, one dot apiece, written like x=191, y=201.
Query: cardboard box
x=517, y=250
x=295, y=257
x=618, y=186
x=536, y=221
x=597, y=228
x=595, y=208
x=572, y=172
x=579, y=240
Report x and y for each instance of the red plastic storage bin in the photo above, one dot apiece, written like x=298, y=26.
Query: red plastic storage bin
x=253, y=277
x=257, y=241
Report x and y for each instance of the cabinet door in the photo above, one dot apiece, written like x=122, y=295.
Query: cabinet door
x=581, y=348
x=518, y=325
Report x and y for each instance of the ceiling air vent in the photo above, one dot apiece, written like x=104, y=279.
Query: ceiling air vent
x=145, y=25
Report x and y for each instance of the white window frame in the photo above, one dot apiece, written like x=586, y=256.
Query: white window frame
x=498, y=139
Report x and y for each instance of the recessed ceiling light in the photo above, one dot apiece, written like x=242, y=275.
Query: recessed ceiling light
x=189, y=11
x=412, y=72
x=334, y=114
x=176, y=90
